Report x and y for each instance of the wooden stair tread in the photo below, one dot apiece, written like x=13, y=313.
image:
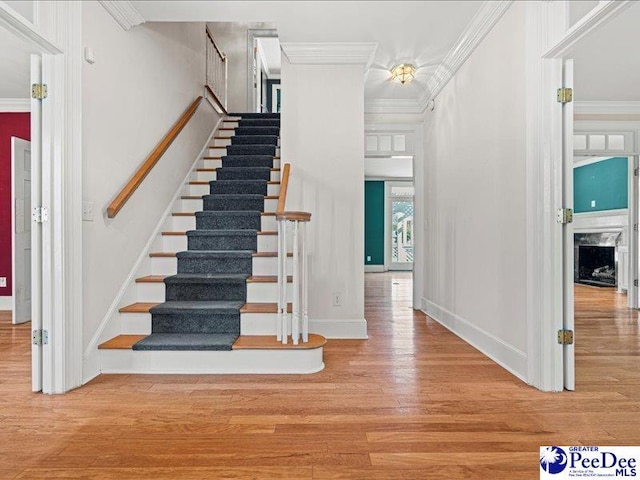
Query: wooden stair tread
x=268, y=232
x=191, y=197
x=263, y=308
x=206, y=170
x=121, y=342
x=267, y=279
x=139, y=307
x=269, y=342
x=174, y=233
x=199, y=182
x=270, y=254
x=183, y=214
x=271, y=197
x=162, y=254
x=151, y=279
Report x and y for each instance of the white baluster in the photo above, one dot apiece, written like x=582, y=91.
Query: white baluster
x=305, y=280
x=282, y=281
x=280, y=313
x=295, y=321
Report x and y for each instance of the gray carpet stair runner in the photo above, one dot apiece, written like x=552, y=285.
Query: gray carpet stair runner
x=203, y=301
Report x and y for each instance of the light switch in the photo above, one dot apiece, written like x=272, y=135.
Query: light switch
x=593, y=203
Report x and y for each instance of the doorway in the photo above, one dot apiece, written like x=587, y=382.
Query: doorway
x=264, y=67
x=399, y=226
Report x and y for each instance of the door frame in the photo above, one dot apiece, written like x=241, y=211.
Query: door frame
x=252, y=35
x=545, y=163
x=388, y=199
x=56, y=33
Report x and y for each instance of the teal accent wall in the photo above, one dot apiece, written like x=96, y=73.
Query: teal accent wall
x=604, y=182
x=374, y=222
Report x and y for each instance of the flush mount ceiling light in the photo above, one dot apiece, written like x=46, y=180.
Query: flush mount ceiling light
x=403, y=73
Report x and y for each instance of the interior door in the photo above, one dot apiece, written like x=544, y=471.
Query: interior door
x=36, y=228
x=401, y=226
x=21, y=227
x=568, y=243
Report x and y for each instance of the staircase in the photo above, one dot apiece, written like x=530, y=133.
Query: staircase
x=208, y=301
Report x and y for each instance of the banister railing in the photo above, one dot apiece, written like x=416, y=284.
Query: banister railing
x=296, y=325
x=143, y=170
x=216, y=84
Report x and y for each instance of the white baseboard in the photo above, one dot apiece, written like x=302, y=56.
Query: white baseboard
x=508, y=357
x=373, y=268
x=6, y=303
x=345, y=329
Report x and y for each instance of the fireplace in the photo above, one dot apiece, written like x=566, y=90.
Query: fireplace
x=595, y=258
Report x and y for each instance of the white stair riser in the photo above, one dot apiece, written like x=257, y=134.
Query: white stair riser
x=273, y=189
x=269, y=266
x=256, y=292
x=230, y=123
x=254, y=361
x=227, y=133
x=174, y=243
x=221, y=142
x=266, y=292
x=261, y=265
x=222, y=151
x=164, y=265
x=212, y=163
x=258, y=323
x=270, y=204
x=136, y=323
x=183, y=224
x=267, y=243
x=269, y=223
x=200, y=176
x=199, y=190
x=190, y=205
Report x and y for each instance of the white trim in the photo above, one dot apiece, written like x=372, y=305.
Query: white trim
x=26, y=31
x=607, y=108
x=374, y=268
x=6, y=303
x=327, y=53
x=392, y=105
x=91, y=356
x=277, y=361
x=591, y=160
x=123, y=12
x=505, y=355
x=481, y=24
x=15, y=105
x=355, y=328
x=597, y=17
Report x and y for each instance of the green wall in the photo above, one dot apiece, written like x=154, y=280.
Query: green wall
x=604, y=182
x=374, y=222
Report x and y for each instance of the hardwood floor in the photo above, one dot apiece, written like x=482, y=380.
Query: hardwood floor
x=412, y=402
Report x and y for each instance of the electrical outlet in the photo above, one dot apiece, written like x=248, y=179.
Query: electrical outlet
x=337, y=299
x=3, y=282
x=593, y=203
x=87, y=211
x=368, y=258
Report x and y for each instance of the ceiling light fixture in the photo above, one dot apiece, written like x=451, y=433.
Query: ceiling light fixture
x=403, y=73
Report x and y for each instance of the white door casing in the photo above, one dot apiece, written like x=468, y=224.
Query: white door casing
x=21, y=228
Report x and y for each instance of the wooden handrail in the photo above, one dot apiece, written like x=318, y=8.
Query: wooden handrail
x=215, y=45
x=284, y=183
x=146, y=166
x=217, y=100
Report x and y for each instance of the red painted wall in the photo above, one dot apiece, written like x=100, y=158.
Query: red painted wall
x=11, y=125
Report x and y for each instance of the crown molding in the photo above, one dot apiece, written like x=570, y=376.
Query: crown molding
x=324, y=53
x=603, y=108
x=123, y=12
x=15, y=105
x=391, y=105
x=481, y=24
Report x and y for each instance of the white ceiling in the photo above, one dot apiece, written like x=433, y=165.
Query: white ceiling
x=14, y=66
x=418, y=32
x=606, y=63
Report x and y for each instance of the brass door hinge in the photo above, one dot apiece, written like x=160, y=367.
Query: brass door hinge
x=38, y=91
x=565, y=215
x=565, y=337
x=565, y=95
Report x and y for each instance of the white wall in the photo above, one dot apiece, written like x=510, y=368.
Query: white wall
x=322, y=138
x=140, y=84
x=474, y=180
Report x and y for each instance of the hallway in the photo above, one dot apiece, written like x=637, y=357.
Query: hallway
x=412, y=402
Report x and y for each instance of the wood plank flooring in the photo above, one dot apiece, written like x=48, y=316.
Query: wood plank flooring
x=412, y=402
